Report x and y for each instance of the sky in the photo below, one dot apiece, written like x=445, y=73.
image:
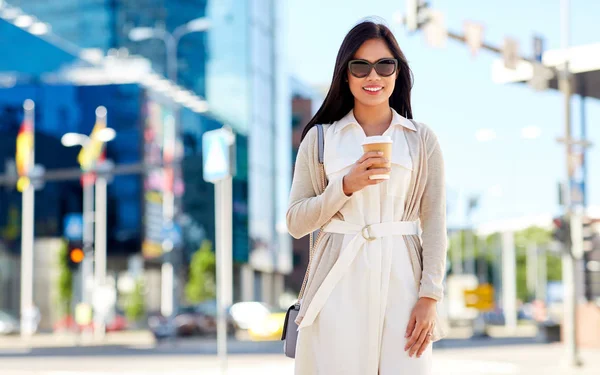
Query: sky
x=454, y=94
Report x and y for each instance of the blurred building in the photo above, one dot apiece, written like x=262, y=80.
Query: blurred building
x=237, y=66
x=105, y=25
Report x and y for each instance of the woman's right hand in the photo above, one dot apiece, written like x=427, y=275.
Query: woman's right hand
x=358, y=177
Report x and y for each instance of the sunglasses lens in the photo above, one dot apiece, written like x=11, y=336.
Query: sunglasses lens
x=360, y=69
x=385, y=68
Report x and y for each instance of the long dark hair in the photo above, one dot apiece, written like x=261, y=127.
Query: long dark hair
x=339, y=100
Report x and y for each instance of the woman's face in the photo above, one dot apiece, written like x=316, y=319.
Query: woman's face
x=372, y=90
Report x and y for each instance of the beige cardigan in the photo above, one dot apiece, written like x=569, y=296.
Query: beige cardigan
x=310, y=208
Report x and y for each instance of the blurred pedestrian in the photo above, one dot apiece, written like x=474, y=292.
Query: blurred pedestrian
x=374, y=280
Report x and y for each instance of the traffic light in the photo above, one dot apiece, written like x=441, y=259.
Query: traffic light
x=75, y=254
x=416, y=14
x=592, y=275
x=591, y=261
x=562, y=230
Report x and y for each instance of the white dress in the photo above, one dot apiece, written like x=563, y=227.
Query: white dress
x=359, y=328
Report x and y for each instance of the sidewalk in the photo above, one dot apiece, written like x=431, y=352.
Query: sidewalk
x=144, y=338
x=50, y=340
x=542, y=359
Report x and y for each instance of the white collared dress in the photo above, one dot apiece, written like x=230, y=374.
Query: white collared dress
x=357, y=327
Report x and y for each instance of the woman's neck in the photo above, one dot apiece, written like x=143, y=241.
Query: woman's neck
x=374, y=120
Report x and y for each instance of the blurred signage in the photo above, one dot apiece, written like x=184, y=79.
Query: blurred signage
x=73, y=224
x=538, y=48
x=436, y=33
x=217, y=146
x=153, y=182
x=577, y=193
x=510, y=53
x=577, y=173
x=480, y=298
x=173, y=234
x=153, y=222
x=24, y=154
x=473, y=36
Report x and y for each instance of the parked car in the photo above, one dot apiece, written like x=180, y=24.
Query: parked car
x=8, y=323
x=191, y=320
x=247, y=313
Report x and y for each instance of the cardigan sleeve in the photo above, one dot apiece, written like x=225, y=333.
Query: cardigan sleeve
x=433, y=221
x=307, y=211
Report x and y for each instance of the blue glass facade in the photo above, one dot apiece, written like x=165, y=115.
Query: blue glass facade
x=105, y=25
x=61, y=109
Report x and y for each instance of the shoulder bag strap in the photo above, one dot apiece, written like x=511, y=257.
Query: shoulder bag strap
x=320, y=148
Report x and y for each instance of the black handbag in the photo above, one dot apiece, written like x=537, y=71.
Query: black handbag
x=290, y=328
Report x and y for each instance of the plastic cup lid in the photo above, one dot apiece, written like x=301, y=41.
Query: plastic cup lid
x=377, y=139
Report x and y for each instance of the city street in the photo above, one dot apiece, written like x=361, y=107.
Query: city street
x=165, y=170
x=505, y=356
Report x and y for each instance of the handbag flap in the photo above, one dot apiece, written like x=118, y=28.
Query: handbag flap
x=291, y=314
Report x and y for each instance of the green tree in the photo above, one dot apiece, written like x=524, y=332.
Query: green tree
x=201, y=284
x=533, y=235
x=64, y=282
x=539, y=237
x=135, y=304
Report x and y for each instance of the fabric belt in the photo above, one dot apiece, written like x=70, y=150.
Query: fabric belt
x=363, y=234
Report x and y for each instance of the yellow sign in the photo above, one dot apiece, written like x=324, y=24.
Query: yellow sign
x=90, y=153
x=480, y=298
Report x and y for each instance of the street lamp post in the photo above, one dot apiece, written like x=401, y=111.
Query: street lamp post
x=93, y=218
x=171, y=40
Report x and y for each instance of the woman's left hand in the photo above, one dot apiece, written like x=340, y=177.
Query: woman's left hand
x=420, y=326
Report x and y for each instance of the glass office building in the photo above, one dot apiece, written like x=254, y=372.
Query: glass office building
x=238, y=67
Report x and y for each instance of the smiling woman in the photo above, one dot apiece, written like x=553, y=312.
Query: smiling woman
x=368, y=304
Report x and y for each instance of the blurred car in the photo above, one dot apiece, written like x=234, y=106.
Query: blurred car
x=270, y=328
x=247, y=313
x=192, y=320
x=8, y=323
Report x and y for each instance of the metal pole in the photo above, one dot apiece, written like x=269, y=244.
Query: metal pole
x=100, y=250
x=542, y=275
x=509, y=280
x=457, y=268
x=28, y=236
x=470, y=246
x=223, y=216
x=168, y=282
x=483, y=261
x=584, y=151
x=570, y=303
x=100, y=237
x=171, y=47
x=532, y=268
x=87, y=266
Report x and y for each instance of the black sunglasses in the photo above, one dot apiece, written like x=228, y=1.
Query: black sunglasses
x=362, y=68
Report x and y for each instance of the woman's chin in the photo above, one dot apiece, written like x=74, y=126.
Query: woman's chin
x=371, y=101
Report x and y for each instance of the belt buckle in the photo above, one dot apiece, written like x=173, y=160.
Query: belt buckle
x=368, y=236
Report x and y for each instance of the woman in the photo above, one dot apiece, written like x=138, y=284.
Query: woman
x=369, y=306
